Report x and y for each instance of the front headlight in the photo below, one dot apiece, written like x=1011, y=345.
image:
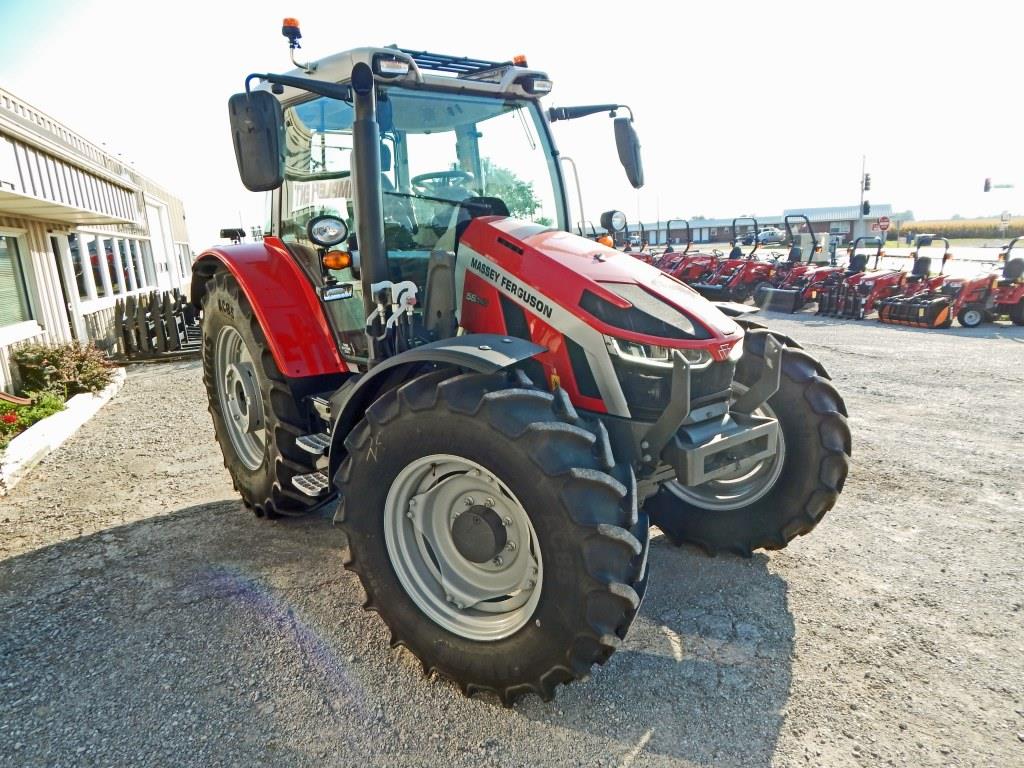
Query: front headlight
x=653, y=355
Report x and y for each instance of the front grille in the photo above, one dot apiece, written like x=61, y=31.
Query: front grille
x=648, y=389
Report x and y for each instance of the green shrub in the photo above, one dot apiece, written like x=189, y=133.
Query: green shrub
x=15, y=419
x=64, y=369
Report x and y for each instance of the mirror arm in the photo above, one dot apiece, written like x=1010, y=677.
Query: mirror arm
x=331, y=90
x=572, y=113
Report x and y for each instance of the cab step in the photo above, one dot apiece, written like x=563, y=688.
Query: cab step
x=314, y=484
x=317, y=444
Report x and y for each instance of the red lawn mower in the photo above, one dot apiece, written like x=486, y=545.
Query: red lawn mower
x=740, y=276
x=971, y=301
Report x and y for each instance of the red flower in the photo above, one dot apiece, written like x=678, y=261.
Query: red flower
x=9, y=418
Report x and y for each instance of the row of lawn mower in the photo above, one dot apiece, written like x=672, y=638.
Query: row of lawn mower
x=807, y=276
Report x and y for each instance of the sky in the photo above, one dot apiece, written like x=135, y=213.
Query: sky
x=742, y=108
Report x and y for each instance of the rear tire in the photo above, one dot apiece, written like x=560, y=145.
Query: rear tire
x=1017, y=313
x=261, y=462
x=812, y=417
x=590, y=539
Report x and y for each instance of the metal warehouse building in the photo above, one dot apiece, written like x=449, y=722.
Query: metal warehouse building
x=79, y=229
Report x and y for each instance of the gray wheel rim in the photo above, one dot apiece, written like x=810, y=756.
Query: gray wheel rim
x=240, y=397
x=739, y=490
x=478, y=601
x=972, y=317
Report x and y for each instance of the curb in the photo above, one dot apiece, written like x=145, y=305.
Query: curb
x=42, y=438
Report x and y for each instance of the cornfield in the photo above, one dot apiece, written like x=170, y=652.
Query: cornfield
x=964, y=228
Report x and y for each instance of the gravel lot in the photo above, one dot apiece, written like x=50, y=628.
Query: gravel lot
x=147, y=619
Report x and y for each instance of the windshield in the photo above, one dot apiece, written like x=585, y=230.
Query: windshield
x=442, y=154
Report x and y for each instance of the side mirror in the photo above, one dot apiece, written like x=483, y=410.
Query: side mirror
x=628, y=144
x=257, y=133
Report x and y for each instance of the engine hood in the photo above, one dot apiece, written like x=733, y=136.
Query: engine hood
x=562, y=267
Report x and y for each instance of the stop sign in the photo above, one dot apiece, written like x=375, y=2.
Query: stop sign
x=883, y=223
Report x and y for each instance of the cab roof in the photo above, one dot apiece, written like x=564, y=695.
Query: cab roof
x=425, y=69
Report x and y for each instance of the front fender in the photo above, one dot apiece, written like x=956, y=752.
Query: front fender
x=283, y=300
x=478, y=352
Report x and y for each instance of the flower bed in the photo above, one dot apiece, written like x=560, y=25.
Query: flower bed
x=15, y=419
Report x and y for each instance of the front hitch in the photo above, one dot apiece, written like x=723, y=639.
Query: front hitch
x=702, y=451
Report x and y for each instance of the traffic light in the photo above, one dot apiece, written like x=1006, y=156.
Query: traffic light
x=867, y=181
x=866, y=208
x=988, y=185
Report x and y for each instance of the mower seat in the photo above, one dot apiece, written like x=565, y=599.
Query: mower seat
x=796, y=255
x=736, y=252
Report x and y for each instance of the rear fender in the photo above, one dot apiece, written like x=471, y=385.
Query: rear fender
x=478, y=352
x=283, y=300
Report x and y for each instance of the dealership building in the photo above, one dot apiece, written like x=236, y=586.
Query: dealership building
x=844, y=221
x=79, y=229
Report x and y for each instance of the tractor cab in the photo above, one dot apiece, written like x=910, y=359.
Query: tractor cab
x=438, y=141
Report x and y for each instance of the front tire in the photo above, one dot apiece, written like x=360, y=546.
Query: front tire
x=795, y=493
x=528, y=472
x=971, y=317
x=255, y=417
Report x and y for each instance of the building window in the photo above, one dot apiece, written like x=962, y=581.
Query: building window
x=14, y=306
x=98, y=272
x=78, y=264
x=135, y=256
x=118, y=277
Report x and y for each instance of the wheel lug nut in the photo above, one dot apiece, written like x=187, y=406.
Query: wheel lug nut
x=469, y=502
x=498, y=561
x=489, y=502
x=506, y=521
x=511, y=546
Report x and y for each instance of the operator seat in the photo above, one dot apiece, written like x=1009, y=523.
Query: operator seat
x=1013, y=270
x=796, y=255
x=395, y=209
x=736, y=252
x=858, y=263
x=921, y=269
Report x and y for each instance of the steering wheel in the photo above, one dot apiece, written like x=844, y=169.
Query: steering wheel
x=438, y=183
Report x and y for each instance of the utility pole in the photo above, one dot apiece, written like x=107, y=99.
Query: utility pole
x=860, y=207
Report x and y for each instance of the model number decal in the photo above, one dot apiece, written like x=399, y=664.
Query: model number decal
x=511, y=287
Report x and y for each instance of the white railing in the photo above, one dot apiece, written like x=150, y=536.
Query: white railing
x=85, y=148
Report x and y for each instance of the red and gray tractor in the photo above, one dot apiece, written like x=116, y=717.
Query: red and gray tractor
x=493, y=408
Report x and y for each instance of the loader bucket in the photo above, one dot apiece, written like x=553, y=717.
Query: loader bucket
x=928, y=311
x=709, y=291
x=779, y=299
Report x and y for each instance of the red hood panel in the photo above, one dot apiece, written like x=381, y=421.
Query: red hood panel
x=561, y=265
